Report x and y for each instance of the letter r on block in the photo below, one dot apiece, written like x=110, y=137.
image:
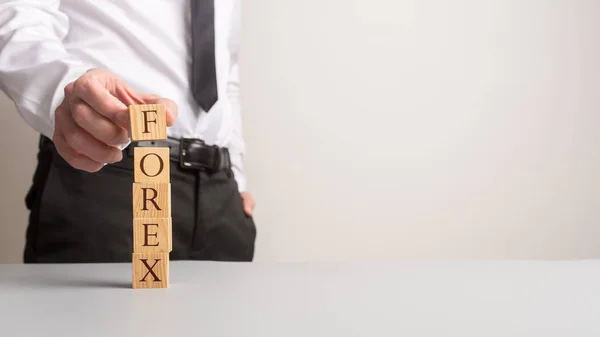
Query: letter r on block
x=151, y=200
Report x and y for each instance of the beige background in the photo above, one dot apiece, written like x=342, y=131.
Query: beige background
x=18, y=152
x=407, y=129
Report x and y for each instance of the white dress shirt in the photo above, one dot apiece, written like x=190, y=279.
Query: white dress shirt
x=45, y=44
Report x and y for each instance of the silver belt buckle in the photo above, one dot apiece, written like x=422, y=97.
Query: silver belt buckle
x=184, y=145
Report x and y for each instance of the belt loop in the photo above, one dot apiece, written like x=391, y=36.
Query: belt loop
x=44, y=142
x=218, y=160
x=129, y=149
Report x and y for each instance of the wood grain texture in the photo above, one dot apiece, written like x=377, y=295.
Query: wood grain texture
x=152, y=235
x=151, y=200
x=151, y=165
x=150, y=270
x=148, y=121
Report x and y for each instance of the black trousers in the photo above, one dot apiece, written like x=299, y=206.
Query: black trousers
x=78, y=217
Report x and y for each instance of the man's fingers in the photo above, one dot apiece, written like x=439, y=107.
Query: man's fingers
x=108, y=96
x=248, y=203
x=172, y=110
x=77, y=160
x=130, y=96
x=94, y=93
x=248, y=210
x=149, y=98
x=84, y=143
x=97, y=125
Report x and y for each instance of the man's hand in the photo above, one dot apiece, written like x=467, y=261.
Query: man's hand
x=248, y=202
x=93, y=119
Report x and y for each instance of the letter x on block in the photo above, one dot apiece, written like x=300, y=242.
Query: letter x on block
x=148, y=121
x=150, y=270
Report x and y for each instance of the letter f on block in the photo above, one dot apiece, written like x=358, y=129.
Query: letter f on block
x=147, y=121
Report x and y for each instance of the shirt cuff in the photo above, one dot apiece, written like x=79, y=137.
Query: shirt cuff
x=71, y=73
x=238, y=173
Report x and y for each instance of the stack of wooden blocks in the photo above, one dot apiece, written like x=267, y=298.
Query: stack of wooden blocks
x=152, y=238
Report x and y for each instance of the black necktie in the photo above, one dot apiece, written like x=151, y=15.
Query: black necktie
x=203, y=77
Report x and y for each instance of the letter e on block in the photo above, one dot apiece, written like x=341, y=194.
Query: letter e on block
x=150, y=270
x=148, y=121
x=152, y=235
x=151, y=200
x=151, y=165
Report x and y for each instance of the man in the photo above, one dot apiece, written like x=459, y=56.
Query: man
x=72, y=68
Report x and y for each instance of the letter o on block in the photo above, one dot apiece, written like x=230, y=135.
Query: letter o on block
x=151, y=164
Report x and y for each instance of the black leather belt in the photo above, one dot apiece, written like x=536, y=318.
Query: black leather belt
x=191, y=153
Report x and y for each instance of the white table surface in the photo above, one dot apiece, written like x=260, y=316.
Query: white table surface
x=446, y=298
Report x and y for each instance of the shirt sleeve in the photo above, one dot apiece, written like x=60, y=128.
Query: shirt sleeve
x=237, y=147
x=34, y=64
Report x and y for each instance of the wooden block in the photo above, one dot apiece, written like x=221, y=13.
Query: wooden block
x=151, y=200
x=170, y=237
x=151, y=165
x=150, y=270
x=148, y=121
x=152, y=235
